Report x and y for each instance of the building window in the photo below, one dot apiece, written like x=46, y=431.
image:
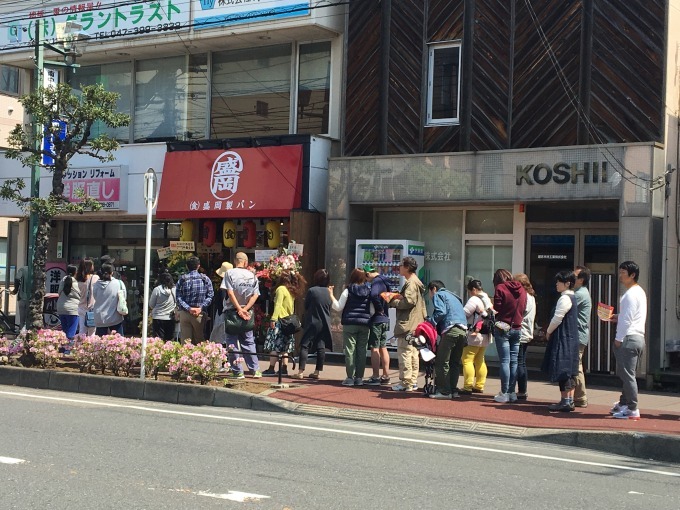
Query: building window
x=443, y=83
x=9, y=80
x=251, y=92
x=115, y=78
x=314, y=88
x=170, y=98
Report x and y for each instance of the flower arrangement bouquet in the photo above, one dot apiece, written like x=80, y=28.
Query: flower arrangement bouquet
x=270, y=271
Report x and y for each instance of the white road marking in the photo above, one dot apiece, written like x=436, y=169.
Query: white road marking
x=633, y=492
x=241, y=497
x=10, y=460
x=344, y=432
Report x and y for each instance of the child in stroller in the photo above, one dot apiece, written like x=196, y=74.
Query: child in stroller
x=424, y=339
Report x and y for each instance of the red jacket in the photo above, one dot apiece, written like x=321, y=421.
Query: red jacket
x=510, y=301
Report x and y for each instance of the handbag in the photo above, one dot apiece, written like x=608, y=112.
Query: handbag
x=235, y=325
x=89, y=314
x=174, y=315
x=290, y=325
x=121, y=307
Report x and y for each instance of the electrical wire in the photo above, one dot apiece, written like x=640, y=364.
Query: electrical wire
x=580, y=110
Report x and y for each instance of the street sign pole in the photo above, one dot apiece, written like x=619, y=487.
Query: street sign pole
x=150, y=196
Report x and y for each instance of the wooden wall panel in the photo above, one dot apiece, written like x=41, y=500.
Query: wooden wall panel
x=628, y=71
x=406, y=77
x=363, y=74
x=491, y=75
x=543, y=115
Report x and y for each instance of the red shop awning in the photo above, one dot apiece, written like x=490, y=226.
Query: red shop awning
x=235, y=183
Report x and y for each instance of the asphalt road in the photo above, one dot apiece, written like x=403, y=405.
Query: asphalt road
x=61, y=450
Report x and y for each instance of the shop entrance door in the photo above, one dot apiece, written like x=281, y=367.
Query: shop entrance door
x=550, y=250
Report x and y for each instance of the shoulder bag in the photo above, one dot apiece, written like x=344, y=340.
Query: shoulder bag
x=290, y=325
x=122, y=307
x=89, y=314
x=235, y=325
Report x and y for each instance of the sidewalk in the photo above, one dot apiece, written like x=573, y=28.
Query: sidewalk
x=660, y=412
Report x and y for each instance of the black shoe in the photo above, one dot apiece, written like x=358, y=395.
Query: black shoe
x=270, y=372
x=561, y=406
x=465, y=392
x=284, y=371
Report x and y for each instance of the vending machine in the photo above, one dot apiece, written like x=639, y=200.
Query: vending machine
x=386, y=255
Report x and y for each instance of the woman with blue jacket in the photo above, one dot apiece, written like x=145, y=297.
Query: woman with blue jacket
x=449, y=316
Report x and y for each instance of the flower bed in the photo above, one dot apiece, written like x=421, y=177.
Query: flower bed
x=121, y=355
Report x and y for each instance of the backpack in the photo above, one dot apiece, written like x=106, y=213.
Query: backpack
x=488, y=323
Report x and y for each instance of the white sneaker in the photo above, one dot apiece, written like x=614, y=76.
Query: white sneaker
x=358, y=381
x=440, y=396
x=415, y=386
x=512, y=397
x=348, y=382
x=628, y=414
x=502, y=398
x=401, y=387
x=618, y=407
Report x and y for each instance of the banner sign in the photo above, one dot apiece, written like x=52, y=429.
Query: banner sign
x=219, y=13
x=99, y=20
x=265, y=255
x=296, y=248
x=164, y=253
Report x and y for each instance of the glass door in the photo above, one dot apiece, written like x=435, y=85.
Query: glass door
x=550, y=251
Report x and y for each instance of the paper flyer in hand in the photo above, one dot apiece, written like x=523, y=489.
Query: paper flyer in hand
x=389, y=296
x=604, y=311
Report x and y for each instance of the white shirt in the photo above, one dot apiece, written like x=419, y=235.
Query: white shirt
x=563, y=306
x=632, y=313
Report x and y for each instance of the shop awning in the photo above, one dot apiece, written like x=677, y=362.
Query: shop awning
x=236, y=183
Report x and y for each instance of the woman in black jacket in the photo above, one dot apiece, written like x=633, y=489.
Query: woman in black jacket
x=317, y=332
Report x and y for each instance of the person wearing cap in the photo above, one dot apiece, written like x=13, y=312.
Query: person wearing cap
x=380, y=324
x=242, y=289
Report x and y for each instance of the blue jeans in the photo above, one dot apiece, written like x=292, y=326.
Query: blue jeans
x=246, y=342
x=105, y=330
x=507, y=344
x=69, y=325
x=522, y=376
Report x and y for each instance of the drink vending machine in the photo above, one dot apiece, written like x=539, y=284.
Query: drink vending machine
x=386, y=255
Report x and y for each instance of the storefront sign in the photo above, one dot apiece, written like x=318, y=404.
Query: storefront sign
x=107, y=184
x=182, y=246
x=240, y=183
x=164, y=253
x=438, y=256
x=265, y=255
x=101, y=19
x=551, y=256
x=216, y=13
x=562, y=173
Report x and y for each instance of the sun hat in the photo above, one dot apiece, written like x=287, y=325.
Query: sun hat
x=226, y=266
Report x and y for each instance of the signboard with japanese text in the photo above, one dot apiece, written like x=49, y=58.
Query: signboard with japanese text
x=298, y=249
x=202, y=249
x=101, y=19
x=265, y=255
x=182, y=246
x=217, y=13
x=54, y=272
x=239, y=183
x=107, y=184
x=164, y=253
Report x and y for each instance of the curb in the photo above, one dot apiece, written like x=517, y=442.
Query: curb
x=658, y=447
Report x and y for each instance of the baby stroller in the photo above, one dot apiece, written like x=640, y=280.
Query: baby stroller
x=424, y=339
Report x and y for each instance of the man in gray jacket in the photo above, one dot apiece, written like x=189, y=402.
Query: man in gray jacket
x=584, y=306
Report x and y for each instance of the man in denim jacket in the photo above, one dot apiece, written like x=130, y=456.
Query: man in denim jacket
x=449, y=316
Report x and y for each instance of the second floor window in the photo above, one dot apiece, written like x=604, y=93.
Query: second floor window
x=443, y=83
x=9, y=80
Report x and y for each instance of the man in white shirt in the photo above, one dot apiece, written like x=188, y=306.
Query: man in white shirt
x=629, y=342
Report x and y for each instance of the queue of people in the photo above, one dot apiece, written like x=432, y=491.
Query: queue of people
x=89, y=303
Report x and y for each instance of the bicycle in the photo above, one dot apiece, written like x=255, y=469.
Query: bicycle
x=8, y=327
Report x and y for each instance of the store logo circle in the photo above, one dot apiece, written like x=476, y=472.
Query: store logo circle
x=225, y=175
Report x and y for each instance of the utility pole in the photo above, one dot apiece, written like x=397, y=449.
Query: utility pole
x=38, y=129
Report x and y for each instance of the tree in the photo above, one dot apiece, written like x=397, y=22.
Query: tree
x=79, y=111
